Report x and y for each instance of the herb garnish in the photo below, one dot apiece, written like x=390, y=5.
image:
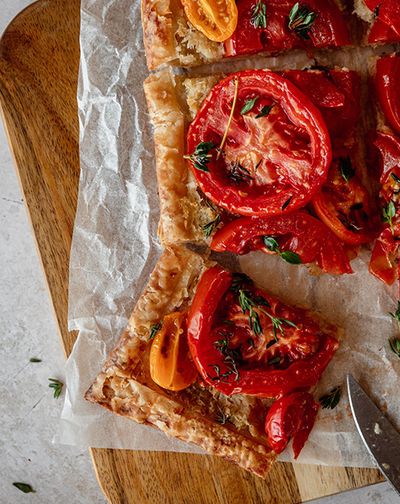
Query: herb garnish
x=211, y=226
x=24, y=487
x=35, y=359
x=396, y=315
x=154, y=328
x=301, y=19
x=376, y=11
x=346, y=168
x=394, y=344
x=238, y=173
x=201, y=156
x=221, y=417
x=235, y=94
x=287, y=255
x=331, y=399
x=287, y=203
x=239, y=280
x=57, y=386
x=264, y=111
x=232, y=356
x=248, y=105
x=259, y=15
x=388, y=213
x=249, y=303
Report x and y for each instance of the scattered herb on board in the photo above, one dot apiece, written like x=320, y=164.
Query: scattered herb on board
x=394, y=344
x=24, y=487
x=301, y=19
x=57, y=387
x=248, y=105
x=154, y=330
x=35, y=359
x=346, y=168
x=259, y=15
x=201, y=156
x=388, y=213
x=331, y=399
x=288, y=256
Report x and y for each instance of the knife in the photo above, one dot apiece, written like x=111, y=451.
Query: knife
x=380, y=437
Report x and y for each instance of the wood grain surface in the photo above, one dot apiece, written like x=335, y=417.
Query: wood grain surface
x=39, y=57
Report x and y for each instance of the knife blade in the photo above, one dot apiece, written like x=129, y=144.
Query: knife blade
x=380, y=437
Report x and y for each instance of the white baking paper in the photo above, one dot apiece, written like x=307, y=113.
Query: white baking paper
x=115, y=248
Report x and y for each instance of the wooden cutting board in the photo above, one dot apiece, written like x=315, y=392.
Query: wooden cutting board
x=39, y=57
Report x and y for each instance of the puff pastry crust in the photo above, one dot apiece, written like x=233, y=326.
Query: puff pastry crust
x=124, y=385
x=169, y=38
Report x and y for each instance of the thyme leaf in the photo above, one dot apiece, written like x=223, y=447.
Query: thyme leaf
x=331, y=399
x=35, y=359
x=57, y=387
x=388, y=213
x=154, y=328
x=274, y=360
x=24, y=487
x=211, y=226
x=287, y=255
x=301, y=19
x=395, y=177
x=346, y=168
x=201, y=156
x=259, y=15
x=248, y=105
x=287, y=203
x=396, y=315
x=264, y=111
x=221, y=417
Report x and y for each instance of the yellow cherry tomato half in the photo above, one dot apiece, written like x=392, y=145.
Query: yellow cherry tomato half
x=217, y=19
x=171, y=365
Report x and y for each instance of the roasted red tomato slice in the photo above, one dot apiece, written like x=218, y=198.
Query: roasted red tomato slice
x=337, y=95
x=384, y=263
x=344, y=205
x=243, y=340
x=298, y=232
x=277, y=25
x=387, y=85
x=277, y=148
x=292, y=416
x=387, y=25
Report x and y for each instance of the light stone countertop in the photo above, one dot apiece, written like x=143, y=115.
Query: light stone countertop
x=28, y=412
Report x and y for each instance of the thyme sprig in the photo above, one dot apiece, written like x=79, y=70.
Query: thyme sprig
x=57, y=387
x=221, y=417
x=388, y=214
x=235, y=95
x=301, y=19
x=396, y=315
x=249, y=303
x=201, y=156
x=331, y=399
x=287, y=255
x=259, y=15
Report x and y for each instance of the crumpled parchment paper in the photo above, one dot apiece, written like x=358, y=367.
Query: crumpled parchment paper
x=115, y=248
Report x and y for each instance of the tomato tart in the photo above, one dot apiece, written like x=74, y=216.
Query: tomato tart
x=192, y=32
x=210, y=358
x=385, y=155
x=262, y=160
x=383, y=17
